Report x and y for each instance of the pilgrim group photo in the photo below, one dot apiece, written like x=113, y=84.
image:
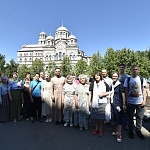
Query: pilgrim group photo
x=71, y=101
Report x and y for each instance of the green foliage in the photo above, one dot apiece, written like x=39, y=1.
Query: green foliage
x=37, y=66
x=2, y=64
x=51, y=68
x=81, y=67
x=11, y=67
x=66, y=67
x=22, y=70
x=96, y=63
x=110, y=61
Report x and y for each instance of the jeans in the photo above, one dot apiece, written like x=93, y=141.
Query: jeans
x=139, y=116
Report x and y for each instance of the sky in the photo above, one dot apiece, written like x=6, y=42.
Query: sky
x=97, y=25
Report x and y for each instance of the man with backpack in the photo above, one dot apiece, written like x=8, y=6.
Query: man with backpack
x=135, y=92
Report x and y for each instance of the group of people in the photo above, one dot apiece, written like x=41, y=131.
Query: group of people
x=74, y=101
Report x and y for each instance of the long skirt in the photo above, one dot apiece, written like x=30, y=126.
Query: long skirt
x=15, y=105
x=4, y=109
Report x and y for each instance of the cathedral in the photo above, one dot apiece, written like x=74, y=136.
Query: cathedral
x=52, y=49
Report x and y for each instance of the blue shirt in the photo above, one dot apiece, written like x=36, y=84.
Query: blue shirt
x=37, y=91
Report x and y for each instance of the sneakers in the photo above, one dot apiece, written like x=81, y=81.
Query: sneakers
x=131, y=134
x=114, y=132
x=71, y=124
x=27, y=119
x=140, y=135
x=47, y=120
x=66, y=124
x=119, y=139
x=80, y=128
x=50, y=120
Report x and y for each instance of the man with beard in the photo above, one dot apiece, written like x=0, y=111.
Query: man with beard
x=57, y=83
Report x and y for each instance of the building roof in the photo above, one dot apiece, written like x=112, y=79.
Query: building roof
x=72, y=37
x=62, y=28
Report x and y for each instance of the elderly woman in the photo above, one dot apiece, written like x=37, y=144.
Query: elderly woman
x=4, y=100
x=46, y=98
x=68, y=100
x=99, y=90
x=82, y=102
x=118, y=105
x=15, y=86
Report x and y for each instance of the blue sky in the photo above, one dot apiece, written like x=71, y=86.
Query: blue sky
x=97, y=24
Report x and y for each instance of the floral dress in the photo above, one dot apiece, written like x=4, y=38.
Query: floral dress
x=82, y=91
x=69, y=101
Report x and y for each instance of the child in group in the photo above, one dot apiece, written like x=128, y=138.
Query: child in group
x=82, y=102
x=68, y=100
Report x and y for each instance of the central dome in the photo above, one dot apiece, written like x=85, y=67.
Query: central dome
x=62, y=28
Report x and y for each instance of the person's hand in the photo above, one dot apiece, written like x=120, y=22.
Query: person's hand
x=100, y=95
x=53, y=97
x=90, y=105
x=76, y=104
x=62, y=104
x=42, y=99
x=124, y=107
x=10, y=98
x=143, y=103
x=32, y=100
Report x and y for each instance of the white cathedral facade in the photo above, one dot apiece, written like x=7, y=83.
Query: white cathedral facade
x=52, y=49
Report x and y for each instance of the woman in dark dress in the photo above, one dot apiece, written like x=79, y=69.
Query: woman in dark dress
x=118, y=105
x=26, y=99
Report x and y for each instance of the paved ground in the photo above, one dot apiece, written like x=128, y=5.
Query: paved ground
x=23, y=135
x=47, y=136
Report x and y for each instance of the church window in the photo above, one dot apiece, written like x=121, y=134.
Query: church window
x=60, y=55
x=70, y=57
x=56, y=56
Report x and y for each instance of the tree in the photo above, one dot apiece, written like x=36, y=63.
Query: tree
x=11, y=67
x=111, y=61
x=2, y=64
x=22, y=70
x=96, y=63
x=81, y=67
x=37, y=66
x=51, y=68
x=66, y=67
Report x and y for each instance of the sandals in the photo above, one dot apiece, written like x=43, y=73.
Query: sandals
x=95, y=132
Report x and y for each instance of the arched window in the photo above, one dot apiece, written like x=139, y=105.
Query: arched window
x=70, y=57
x=60, y=55
x=56, y=56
